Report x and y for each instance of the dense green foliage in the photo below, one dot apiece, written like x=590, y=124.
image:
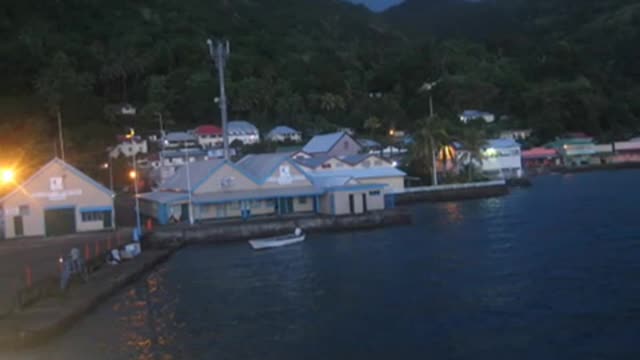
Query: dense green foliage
x=311, y=64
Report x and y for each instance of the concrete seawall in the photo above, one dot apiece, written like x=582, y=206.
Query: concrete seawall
x=234, y=231
x=454, y=192
x=51, y=317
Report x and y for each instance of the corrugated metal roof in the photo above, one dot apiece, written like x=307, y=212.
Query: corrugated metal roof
x=208, y=130
x=369, y=143
x=256, y=194
x=330, y=181
x=501, y=143
x=282, y=130
x=260, y=166
x=198, y=172
x=323, y=143
x=179, y=136
x=241, y=127
x=355, y=159
x=374, y=172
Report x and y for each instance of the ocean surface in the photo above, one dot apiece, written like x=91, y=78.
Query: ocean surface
x=548, y=272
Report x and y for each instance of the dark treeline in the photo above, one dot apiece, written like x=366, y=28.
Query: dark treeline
x=552, y=65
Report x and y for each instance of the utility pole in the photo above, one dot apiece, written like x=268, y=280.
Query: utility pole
x=219, y=55
x=434, y=173
x=190, y=196
x=60, y=137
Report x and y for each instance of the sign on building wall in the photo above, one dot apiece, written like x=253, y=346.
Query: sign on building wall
x=57, y=191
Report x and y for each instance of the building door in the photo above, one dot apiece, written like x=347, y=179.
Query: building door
x=364, y=203
x=18, y=226
x=285, y=205
x=352, y=207
x=184, y=212
x=221, y=211
x=106, y=220
x=59, y=221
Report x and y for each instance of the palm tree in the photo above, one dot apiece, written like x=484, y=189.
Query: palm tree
x=474, y=141
x=432, y=133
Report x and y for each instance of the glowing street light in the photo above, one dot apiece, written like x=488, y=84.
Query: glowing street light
x=133, y=174
x=392, y=132
x=8, y=176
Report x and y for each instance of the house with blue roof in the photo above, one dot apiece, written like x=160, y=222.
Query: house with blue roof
x=257, y=185
x=284, y=134
x=57, y=199
x=334, y=144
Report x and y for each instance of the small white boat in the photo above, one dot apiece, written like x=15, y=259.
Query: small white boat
x=278, y=241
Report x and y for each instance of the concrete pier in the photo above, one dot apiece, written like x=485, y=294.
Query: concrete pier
x=453, y=192
x=216, y=232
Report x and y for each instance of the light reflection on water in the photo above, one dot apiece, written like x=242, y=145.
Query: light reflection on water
x=545, y=273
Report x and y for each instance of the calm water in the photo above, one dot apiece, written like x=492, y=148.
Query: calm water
x=550, y=272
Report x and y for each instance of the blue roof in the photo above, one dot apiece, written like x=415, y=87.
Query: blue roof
x=323, y=143
x=261, y=166
x=474, y=113
x=241, y=127
x=502, y=143
x=361, y=173
x=282, y=130
x=369, y=143
x=199, y=171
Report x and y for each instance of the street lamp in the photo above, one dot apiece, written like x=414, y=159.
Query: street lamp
x=8, y=176
x=133, y=174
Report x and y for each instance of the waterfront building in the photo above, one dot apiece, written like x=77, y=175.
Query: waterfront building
x=364, y=168
x=577, y=151
x=58, y=199
x=257, y=185
x=540, y=157
x=334, y=144
x=284, y=133
x=502, y=159
x=208, y=136
x=243, y=131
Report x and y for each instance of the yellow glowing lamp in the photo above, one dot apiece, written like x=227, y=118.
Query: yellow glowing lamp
x=392, y=132
x=447, y=152
x=133, y=174
x=8, y=176
x=131, y=134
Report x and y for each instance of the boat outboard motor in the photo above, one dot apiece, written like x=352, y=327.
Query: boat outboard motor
x=298, y=231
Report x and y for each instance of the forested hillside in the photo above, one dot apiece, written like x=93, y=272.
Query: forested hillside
x=311, y=64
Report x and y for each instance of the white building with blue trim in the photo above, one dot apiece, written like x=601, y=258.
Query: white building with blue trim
x=257, y=185
x=58, y=199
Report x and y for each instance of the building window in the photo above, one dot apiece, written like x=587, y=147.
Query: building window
x=326, y=166
x=92, y=216
x=235, y=205
x=366, y=163
x=374, y=193
x=346, y=145
x=378, y=163
x=24, y=210
x=302, y=200
x=271, y=203
x=256, y=204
